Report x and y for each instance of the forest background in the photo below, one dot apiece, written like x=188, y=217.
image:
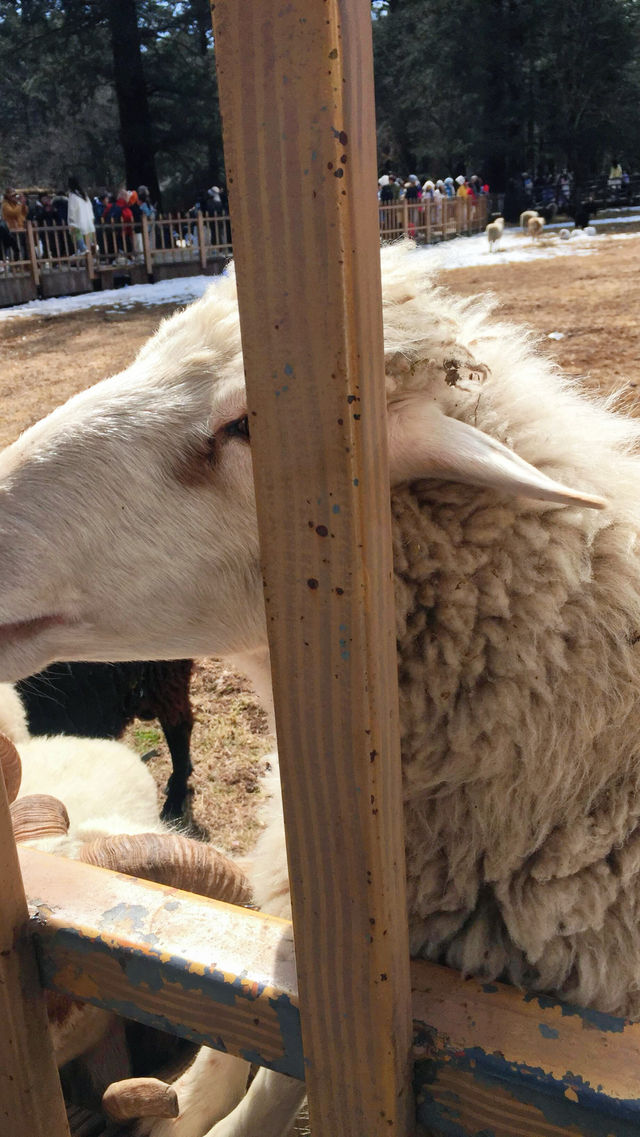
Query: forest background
x=125, y=91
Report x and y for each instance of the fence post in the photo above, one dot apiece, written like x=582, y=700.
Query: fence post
x=33, y=259
x=296, y=94
x=146, y=245
x=30, y=1094
x=90, y=264
x=405, y=216
x=201, y=244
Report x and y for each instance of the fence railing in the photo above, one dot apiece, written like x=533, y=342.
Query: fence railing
x=429, y=221
x=47, y=258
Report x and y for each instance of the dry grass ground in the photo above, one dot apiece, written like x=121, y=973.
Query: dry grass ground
x=594, y=301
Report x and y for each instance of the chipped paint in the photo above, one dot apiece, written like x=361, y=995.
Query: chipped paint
x=147, y=972
x=590, y=1018
x=548, y=1031
x=574, y=1107
x=98, y=940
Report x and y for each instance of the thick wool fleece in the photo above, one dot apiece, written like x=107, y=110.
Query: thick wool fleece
x=518, y=627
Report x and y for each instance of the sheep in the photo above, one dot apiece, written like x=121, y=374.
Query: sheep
x=93, y=800
x=494, y=231
x=565, y=234
x=100, y=700
x=13, y=718
x=535, y=226
x=517, y=619
x=525, y=217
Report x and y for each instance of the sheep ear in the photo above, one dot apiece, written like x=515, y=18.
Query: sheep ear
x=425, y=443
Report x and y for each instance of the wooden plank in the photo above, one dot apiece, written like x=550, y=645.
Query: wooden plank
x=33, y=259
x=501, y=1062
x=30, y=1095
x=489, y=1058
x=296, y=93
x=146, y=245
x=210, y=972
x=202, y=248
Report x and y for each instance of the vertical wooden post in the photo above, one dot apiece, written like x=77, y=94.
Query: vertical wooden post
x=201, y=244
x=296, y=92
x=90, y=264
x=31, y=245
x=30, y=1095
x=146, y=245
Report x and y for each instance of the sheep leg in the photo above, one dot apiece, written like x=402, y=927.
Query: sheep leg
x=268, y=1109
x=207, y=1091
x=178, y=738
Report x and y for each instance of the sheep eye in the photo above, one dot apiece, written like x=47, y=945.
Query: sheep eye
x=239, y=428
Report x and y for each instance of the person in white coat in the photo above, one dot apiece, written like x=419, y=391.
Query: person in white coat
x=80, y=217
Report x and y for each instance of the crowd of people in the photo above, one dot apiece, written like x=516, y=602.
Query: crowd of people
x=394, y=189
x=88, y=218
x=85, y=217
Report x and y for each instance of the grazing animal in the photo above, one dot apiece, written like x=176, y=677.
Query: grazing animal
x=525, y=218
x=517, y=601
x=93, y=800
x=494, y=231
x=100, y=700
x=535, y=227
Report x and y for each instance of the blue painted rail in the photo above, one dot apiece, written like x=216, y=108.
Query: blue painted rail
x=490, y=1061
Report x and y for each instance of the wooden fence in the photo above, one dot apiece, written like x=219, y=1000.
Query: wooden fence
x=46, y=261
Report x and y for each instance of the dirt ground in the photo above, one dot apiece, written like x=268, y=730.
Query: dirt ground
x=594, y=301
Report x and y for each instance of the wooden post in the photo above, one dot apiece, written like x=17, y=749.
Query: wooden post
x=201, y=241
x=90, y=264
x=296, y=92
x=31, y=245
x=405, y=217
x=146, y=245
x=30, y=1095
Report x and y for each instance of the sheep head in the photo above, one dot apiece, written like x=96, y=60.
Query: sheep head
x=127, y=517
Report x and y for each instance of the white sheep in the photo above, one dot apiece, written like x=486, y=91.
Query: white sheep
x=517, y=620
x=494, y=231
x=525, y=217
x=535, y=227
x=13, y=718
x=97, y=789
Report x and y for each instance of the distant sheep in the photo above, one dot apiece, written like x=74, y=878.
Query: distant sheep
x=494, y=231
x=525, y=217
x=100, y=700
x=535, y=227
x=517, y=605
x=564, y=234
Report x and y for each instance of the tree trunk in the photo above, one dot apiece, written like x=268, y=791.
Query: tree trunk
x=131, y=93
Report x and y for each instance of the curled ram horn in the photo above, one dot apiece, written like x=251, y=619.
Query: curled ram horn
x=38, y=815
x=169, y=858
x=11, y=767
x=140, y=1097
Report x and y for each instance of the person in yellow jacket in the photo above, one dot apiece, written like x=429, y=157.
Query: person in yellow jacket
x=14, y=215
